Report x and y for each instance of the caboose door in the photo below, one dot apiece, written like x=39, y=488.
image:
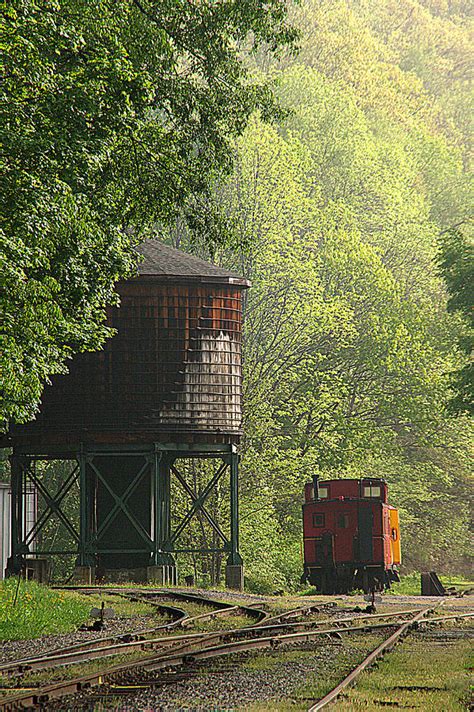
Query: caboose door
x=365, y=526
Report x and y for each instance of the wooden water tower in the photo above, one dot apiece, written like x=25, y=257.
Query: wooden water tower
x=165, y=388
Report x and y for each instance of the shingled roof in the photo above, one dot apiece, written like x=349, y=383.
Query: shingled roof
x=165, y=262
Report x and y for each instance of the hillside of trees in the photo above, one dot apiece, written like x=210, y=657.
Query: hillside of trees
x=337, y=215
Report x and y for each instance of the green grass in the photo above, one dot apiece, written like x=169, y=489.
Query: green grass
x=416, y=675
x=311, y=591
x=123, y=607
x=30, y=610
x=410, y=584
x=458, y=582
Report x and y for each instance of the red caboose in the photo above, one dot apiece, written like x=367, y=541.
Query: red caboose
x=351, y=535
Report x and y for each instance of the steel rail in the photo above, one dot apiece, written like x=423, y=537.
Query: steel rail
x=186, y=620
x=220, y=606
x=252, y=611
x=297, y=613
x=272, y=641
x=446, y=618
x=384, y=647
x=349, y=619
x=87, y=651
x=178, y=614
x=94, y=648
x=153, y=662
x=69, y=658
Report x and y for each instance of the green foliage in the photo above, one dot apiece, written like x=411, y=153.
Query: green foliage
x=346, y=347
x=456, y=261
x=272, y=560
x=116, y=115
x=29, y=610
x=350, y=346
x=409, y=585
x=457, y=264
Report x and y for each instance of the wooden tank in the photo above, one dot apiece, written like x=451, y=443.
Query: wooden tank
x=172, y=372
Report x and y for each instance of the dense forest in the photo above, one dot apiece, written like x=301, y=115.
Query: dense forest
x=344, y=198
x=340, y=214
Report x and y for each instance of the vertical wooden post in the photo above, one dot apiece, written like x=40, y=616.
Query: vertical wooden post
x=166, y=503
x=162, y=567
x=234, y=559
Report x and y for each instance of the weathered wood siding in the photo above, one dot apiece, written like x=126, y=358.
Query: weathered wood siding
x=174, y=365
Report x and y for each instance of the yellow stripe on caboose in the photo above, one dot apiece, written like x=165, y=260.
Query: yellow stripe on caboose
x=395, y=536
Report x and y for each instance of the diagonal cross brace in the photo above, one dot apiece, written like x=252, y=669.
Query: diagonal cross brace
x=60, y=495
x=53, y=504
x=197, y=504
x=126, y=496
x=120, y=503
x=195, y=499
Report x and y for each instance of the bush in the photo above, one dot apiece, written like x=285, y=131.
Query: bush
x=264, y=585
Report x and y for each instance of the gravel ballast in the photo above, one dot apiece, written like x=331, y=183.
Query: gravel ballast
x=17, y=649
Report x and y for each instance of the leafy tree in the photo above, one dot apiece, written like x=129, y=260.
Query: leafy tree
x=456, y=261
x=350, y=347
x=114, y=114
x=347, y=337
x=351, y=340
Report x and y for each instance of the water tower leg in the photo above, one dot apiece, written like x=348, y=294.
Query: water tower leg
x=15, y=562
x=84, y=572
x=163, y=568
x=171, y=577
x=234, y=571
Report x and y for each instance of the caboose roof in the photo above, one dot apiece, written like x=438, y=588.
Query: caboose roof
x=164, y=262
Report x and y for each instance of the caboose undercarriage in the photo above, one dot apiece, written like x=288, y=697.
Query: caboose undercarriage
x=344, y=578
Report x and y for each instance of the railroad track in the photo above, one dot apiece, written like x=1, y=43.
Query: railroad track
x=386, y=646
x=94, y=648
x=171, y=652
x=177, y=651
x=126, y=642
x=149, y=595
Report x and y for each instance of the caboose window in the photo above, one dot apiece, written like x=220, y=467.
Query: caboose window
x=323, y=492
x=318, y=520
x=371, y=490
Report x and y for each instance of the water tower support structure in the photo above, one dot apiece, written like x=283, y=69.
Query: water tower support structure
x=121, y=534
